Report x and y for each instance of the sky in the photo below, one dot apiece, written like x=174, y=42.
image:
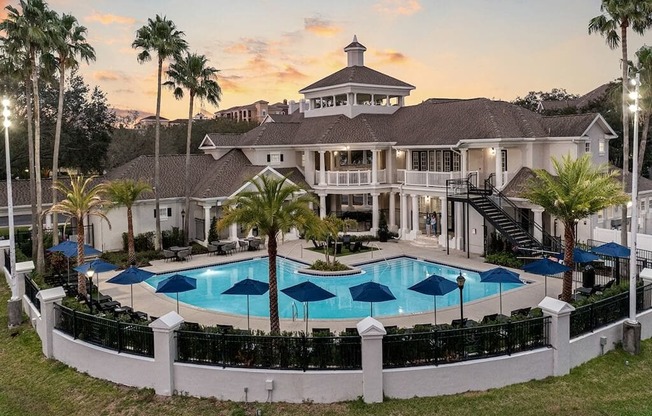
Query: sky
x=270, y=49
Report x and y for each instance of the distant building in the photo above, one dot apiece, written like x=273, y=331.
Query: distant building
x=253, y=112
x=150, y=121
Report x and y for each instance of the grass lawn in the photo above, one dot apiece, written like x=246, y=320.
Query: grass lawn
x=615, y=384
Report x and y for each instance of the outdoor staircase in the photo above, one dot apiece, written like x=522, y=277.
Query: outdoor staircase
x=424, y=241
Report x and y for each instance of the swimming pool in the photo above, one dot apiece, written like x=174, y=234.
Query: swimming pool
x=398, y=274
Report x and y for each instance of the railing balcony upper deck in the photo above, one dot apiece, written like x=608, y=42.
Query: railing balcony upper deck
x=425, y=178
x=352, y=177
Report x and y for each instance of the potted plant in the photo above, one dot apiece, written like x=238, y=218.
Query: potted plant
x=383, y=230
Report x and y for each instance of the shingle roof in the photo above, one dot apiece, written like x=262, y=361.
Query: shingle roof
x=357, y=75
x=569, y=125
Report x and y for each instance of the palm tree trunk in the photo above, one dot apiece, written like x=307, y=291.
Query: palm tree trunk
x=131, y=250
x=157, y=149
x=39, y=255
x=55, y=154
x=81, y=278
x=623, y=216
x=30, y=150
x=186, y=225
x=569, y=245
x=642, y=145
x=272, y=249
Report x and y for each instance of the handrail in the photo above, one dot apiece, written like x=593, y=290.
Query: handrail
x=295, y=311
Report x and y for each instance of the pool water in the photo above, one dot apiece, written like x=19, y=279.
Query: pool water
x=398, y=274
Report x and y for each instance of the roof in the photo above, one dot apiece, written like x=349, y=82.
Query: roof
x=152, y=118
x=581, y=102
x=357, y=75
x=432, y=123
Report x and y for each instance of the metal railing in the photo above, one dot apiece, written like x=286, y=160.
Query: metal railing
x=354, y=177
x=31, y=290
x=606, y=311
x=118, y=336
x=410, y=349
x=274, y=352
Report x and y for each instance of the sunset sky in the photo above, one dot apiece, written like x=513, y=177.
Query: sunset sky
x=269, y=49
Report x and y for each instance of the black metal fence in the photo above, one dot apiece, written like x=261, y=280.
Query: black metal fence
x=114, y=335
x=595, y=315
x=411, y=349
x=31, y=290
x=277, y=352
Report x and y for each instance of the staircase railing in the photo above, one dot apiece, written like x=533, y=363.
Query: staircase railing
x=548, y=242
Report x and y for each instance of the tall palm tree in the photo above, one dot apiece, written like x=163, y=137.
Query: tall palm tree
x=618, y=16
x=29, y=32
x=83, y=199
x=577, y=190
x=192, y=73
x=125, y=192
x=274, y=207
x=158, y=36
x=69, y=43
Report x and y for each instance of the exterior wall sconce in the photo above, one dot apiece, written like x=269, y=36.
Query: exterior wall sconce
x=492, y=151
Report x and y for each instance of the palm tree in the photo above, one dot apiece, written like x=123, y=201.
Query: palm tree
x=192, y=73
x=618, y=16
x=82, y=199
x=29, y=33
x=577, y=191
x=69, y=43
x=162, y=37
x=273, y=208
x=125, y=192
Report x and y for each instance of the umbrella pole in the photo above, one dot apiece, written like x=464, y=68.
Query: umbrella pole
x=307, y=314
x=131, y=286
x=177, y=302
x=371, y=309
x=248, y=326
x=434, y=301
x=98, y=288
x=545, y=285
x=500, y=285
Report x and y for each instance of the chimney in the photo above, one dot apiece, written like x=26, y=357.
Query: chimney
x=292, y=106
x=303, y=106
x=355, y=53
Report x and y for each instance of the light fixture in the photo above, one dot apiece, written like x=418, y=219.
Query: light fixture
x=492, y=151
x=633, y=108
x=460, y=284
x=335, y=153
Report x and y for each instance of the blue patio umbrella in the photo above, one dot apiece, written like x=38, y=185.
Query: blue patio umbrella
x=97, y=266
x=175, y=284
x=580, y=256
x=546, y=267
x=371, y=292
x=307, y=292
x=130, y=276
x=613, y=250
x=434, y=285
x=69, y=249
x=499, y=275
x=248, y=287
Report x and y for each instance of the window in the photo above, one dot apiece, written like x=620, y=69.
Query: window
x=587, y=147
x=456, y=162
x=503, y=156
x=165, y=213
x=345, y=199
x=357, y=157
x=643, y=205
x=274, y=158
x=415, y=160
x=601, y=147
x=447, y=161
x=431, y=161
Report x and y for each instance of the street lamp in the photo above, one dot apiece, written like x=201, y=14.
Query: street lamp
x=183, y=225
x=460, y=284
x=633, y=267
x=15, y=314
x=90, y=273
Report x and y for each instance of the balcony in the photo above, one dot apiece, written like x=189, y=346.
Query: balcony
x=425, y=178
x=352, y=177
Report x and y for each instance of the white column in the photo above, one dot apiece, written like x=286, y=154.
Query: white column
x=444, y=220
x=233, y=231
x=334, y=203
x=372, y=332
x=165, y=351
x=374, y=167
x=538, y=219
x=322, y=168
x=48, y=298
x=459, y=224
x=404, y=216
x=207, y=223
x=392, y=211
x=390, y=165
x=464, y=162
x=408, y=160
x=322, y=206
x=559, y=313
x=309, y=167
x=375, y=215
x=415, y=215
x=499, y=167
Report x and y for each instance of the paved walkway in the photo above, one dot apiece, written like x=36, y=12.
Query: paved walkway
x=155, y=304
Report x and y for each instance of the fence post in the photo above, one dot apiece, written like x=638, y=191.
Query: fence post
x=559, y=313
x=48, y=298
x=165, y=352
x=372, y=333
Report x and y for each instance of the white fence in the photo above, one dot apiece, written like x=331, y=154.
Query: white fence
x=354, y=177
x=643, y=241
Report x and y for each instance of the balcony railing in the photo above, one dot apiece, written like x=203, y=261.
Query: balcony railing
x=425, y=178
x=352, y=177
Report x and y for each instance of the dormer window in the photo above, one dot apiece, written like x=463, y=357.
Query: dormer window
x=275, y=158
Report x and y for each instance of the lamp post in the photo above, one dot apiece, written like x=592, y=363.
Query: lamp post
x=183, y=225
x=15, y=314
x=460, y=284
x=90, y=273
x=633, y=267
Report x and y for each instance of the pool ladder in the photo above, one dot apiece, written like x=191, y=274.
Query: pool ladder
x=295, y=312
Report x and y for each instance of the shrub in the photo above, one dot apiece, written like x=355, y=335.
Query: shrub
x=173, y=237
x=504, y=258
x=323, y=266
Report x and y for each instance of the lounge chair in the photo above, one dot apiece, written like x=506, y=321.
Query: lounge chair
x=520, y=312
x=489, y=318
x=602, y=288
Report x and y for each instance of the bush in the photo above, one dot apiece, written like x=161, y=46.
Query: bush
x=504, y=258
x=323, y=266
x=172, y=237
x=120, y=258
x=213, y=235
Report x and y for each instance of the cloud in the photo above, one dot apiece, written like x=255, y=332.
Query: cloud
x=321, y=27
x=231, y=83
x=393, y=7
x=124, y=91
x=391, y=57
x=108, y=75
x=247, y=46
x=110, y=19
x=290, y=74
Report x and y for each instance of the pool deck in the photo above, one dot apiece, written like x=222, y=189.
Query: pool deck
x=155, y=304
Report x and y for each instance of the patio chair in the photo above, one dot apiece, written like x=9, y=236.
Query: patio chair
x=229, y=248
x=459, y=323
x=489, y=318
x=602, y=288
x=355, y=247
x=168, y=255
x=520, y=312
x=254, y=245
x=244, y=245
x=211, y=249
x=183, y=255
